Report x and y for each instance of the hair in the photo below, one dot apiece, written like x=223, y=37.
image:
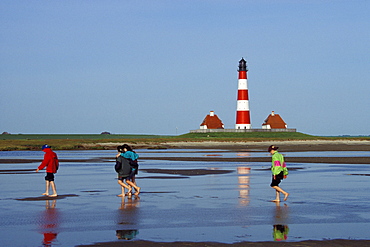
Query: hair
x=272, y=147
x=127, y=147
x=120, y=149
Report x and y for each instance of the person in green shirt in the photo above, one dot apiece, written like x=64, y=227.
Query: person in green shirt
x=279, y=172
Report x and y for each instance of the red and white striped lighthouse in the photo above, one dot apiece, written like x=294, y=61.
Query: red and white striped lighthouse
x=243, y=120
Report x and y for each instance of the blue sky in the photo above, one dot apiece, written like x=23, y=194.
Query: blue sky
x=159, y=67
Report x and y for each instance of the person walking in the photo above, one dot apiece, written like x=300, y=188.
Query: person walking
x=123, y=169
x=129, y=154
x=279, y=172
x=51, y=163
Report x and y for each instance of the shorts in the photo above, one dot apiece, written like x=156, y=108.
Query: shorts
x=132, y=174
x=277, y=180
x=122, y=178
x=49, y=176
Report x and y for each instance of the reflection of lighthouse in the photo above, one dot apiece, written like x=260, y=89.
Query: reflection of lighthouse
x=243, y=181
x=242, y=109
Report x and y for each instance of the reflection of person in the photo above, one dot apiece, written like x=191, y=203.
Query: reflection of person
x=126, y=234
x=49, y=223
x=280, y=232
x=279, y=172
x=127, y=215
x=127, y=153
x=51, y=163
x=281, y=213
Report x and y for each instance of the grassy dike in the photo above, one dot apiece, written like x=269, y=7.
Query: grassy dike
x=98, y=141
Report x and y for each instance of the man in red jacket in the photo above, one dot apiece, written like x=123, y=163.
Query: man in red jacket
x=52, y=164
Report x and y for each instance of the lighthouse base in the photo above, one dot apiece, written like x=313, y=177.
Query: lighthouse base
x=241, y=130
x=243, y=126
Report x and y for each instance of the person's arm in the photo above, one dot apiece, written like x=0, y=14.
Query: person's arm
x=43, y=163
x=130, y=155
x=285, y=170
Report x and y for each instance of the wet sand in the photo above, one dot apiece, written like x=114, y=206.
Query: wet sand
x=153, y=195
x=310, y=243
x=285, y=146
x=45, y=198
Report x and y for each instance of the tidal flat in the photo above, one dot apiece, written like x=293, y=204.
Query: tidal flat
x=192, y=197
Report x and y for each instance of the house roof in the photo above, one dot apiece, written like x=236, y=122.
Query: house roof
x=212, y=122
x=275, y=121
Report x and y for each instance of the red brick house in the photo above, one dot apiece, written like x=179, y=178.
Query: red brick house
x=211, y=121
x=274, y=121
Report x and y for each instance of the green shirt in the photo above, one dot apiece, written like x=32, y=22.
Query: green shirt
x=278, y=164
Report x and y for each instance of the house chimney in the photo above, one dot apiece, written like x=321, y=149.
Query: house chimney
x=272, y=113
x=211, y=113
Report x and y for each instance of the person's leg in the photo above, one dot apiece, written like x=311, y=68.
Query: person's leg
x=47, y=183
x=122, y=192
x=133, y=180
x=132, y=177
x=277, y=198
x=123, y=186
x=276, y=179
x=52, y=184
x=137, y=188
x=278, y=189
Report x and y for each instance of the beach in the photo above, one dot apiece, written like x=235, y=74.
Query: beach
x=325, y=243
x=291, y=146
x=194, y=194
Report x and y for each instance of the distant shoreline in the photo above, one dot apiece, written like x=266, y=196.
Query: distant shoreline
x=245, y=147
x=301, y=145
x=260, y=141
x=287, y=146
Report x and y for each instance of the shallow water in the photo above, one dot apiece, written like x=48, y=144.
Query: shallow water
x=325, y=202
x=89, y=154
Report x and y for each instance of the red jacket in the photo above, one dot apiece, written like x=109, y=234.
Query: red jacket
x=50, y=161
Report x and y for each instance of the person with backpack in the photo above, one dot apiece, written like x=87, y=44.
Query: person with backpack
x=132, y=157
x=51, y=163
x=123, y=169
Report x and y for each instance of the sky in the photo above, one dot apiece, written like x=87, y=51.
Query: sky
x=159, y=67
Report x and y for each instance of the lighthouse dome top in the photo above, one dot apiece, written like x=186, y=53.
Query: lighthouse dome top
x=242, y=65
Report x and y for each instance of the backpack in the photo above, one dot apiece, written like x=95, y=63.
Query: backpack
x=133, y=163
x=118, y=166
x=134, y=166
x=56, y=163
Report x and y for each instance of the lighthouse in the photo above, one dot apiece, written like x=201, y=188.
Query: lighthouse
x=243, y=120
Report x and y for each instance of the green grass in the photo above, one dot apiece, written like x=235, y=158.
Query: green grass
x=73, y=136
x=250, y=135
x=93, y=141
